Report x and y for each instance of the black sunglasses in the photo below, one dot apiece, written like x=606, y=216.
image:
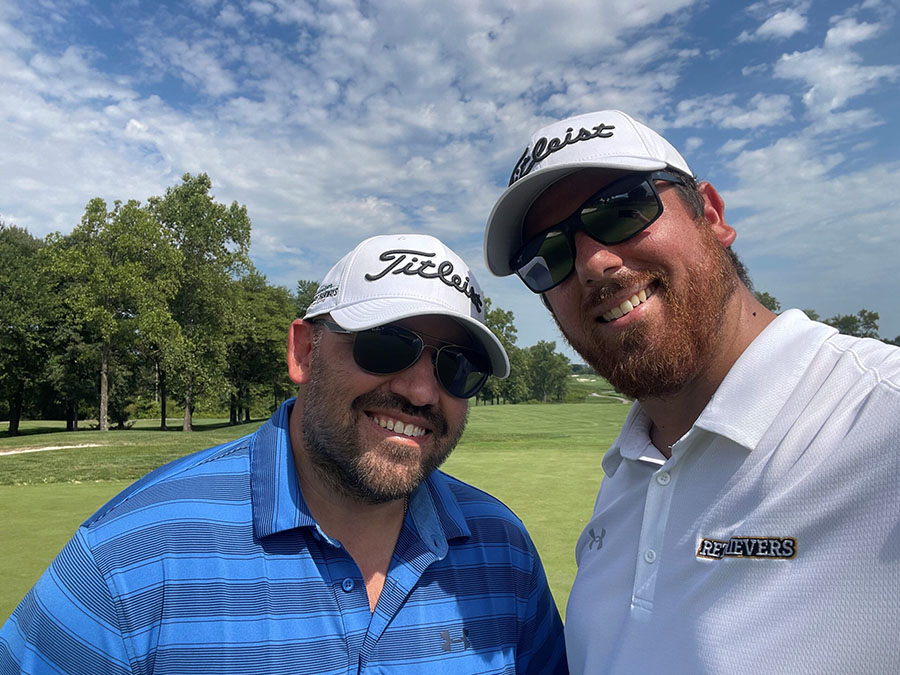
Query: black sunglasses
x=384, y=350
x=613, y=215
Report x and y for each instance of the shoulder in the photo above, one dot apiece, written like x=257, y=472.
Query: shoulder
x=217, y=473
x=871, y=357
x=485, y=515
x=476, y=500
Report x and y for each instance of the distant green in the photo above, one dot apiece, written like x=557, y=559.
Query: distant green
x=543, y=461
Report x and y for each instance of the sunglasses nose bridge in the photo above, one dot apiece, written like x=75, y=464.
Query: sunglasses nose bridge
x=418, y=382
x=593, y=259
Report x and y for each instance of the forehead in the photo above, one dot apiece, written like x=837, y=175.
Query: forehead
x=561, y=199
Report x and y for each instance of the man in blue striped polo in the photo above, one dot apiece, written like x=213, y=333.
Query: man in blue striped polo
x=327, y=541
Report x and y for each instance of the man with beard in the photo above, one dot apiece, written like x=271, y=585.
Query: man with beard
x=327, y=541
x=748, y=518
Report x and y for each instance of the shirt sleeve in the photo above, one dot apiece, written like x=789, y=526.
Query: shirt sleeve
x=67, y=623
x=541, y=649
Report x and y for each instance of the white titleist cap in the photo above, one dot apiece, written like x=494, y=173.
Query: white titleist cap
x=398, y=276
x=608, y=139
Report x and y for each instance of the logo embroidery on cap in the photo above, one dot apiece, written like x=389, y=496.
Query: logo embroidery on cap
x=417, y=266
x=783, y=548
x=544, y=147
x=326, y=291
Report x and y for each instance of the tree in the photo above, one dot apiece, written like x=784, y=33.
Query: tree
x=549, y=371
x=306, y=292
x=514, y=388
x=862, y=324
x=213, y=240
x=768, y=301
x=256, y=343
x=117, y=272
x=27, y=305
x=71, y=371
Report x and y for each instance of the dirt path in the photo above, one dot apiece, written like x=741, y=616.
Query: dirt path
x=20, y=451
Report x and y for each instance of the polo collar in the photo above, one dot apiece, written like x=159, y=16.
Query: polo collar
x=746, y=401
x=763, y=378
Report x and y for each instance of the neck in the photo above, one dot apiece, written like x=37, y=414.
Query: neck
x=672, y=416
x=368, y=532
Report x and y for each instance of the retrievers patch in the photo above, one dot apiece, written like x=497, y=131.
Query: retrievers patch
x=783, y=548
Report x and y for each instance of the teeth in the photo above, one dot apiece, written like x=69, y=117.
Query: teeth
x=628, y=305
x=396, y=425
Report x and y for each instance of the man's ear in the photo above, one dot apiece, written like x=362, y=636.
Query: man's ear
x=299, y=350
x=714, y=212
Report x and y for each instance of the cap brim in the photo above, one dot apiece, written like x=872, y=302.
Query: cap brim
x=379, y=311
x=503, y=234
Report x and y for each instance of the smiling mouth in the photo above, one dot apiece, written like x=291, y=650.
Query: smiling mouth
x=621, y=310
x=398, y=427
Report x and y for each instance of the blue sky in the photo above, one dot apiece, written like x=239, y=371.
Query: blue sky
x=335, y=120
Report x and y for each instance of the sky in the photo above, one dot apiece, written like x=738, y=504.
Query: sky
x=335, y=120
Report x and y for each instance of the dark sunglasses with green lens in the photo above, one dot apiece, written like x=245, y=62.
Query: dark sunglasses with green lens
x=615, y=214
x=384, y=350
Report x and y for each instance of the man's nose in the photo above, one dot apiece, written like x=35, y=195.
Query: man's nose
x=594, y=261
x=418, y=383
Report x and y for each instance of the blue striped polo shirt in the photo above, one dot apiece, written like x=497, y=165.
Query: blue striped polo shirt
x=214, y=564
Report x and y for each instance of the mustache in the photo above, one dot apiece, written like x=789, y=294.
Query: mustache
x=612, y=287
x=430, y=413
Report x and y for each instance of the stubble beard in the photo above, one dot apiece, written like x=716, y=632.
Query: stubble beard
x=332, y=437
x=658, y=359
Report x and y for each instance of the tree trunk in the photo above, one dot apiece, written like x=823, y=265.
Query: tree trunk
x=71, y=416
x=162, y=400
x=104, y=387
x=232, y=410
x=188, y=405
x=247, y=414
x=15, y=413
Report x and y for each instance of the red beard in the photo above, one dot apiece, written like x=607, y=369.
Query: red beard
x=656, y=358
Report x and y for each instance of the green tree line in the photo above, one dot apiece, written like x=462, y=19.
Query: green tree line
x=862, y=324
x=151, y=307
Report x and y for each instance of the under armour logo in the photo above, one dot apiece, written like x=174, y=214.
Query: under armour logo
x=449, y=642
x=595, y=539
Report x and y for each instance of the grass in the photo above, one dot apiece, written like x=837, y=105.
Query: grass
x=543, y=461
x=114, y=455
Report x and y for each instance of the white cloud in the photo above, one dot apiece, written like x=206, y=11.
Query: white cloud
x=833, y=76
x=733, y=146
x=199, y=64
x=761, y=111
x=693, y=143
x=849, y=31
x=779, y=26
x=758, y=69
x=261, y=9
x=782, y=25
x=230, y=16
x=339, y=119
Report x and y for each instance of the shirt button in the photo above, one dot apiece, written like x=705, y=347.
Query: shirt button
x=650, y=556
x=347, y=584
x=663, y=478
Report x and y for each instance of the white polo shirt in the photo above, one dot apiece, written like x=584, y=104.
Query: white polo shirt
x=770, y=541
